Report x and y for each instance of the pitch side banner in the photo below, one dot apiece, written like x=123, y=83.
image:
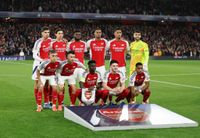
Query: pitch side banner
x=12, y=58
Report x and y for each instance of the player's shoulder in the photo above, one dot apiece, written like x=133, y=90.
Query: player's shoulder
x=85, y=73
x=90, y=40
x=112, y=40
x=98, y=73
x=133, y=75
x=82, y=41
x=121, y=73
x=106, y=73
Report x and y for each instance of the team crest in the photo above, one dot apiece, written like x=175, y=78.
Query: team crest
x=88, y=95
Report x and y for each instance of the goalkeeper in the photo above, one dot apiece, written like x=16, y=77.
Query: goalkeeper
x=139, y=52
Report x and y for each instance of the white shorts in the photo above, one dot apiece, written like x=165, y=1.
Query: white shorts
x=51, y=79
x=78, y=73
x=70, y=79
x=123, y=70
x=101, y=70
x=34, y=72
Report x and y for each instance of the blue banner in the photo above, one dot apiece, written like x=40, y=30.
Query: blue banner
x=12, y=58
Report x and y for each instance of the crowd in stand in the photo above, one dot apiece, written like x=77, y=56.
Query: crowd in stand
x=163, y=40
x=145, y=7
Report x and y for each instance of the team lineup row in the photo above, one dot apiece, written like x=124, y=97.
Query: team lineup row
x=96, y=83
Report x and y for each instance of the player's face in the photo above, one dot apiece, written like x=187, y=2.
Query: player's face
x=53, y=57
x=92, y=67
x=59, y=35
x=71, y=57
x=77, y=36
x=114, y=67
x=118, y=34
x=98, y=33
x=139, y=69
x=137, y=36
x=45, y=34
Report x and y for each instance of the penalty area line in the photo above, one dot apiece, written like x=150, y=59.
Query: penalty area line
x=176, y=84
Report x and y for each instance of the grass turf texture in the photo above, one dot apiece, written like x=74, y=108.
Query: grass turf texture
x=19, y=119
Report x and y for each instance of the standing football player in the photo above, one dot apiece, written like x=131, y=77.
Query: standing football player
x=97, y=48
x=47, y=71
x=41, y=53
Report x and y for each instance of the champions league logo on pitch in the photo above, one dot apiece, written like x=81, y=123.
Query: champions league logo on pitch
x=121, y=115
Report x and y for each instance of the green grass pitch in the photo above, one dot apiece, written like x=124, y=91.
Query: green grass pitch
x=175, y=85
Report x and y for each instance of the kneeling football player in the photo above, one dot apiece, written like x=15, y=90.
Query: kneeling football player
x=114, y=83
x=139, y=84
x=90, y=91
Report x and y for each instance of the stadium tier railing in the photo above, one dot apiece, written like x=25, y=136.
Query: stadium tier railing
x=97, y=16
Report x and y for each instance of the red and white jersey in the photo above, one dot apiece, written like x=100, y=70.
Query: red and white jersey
x=41, y=49
x=138, y=79
x=112, y=79
x=118, y=50
x=48, y=68
x=97, y=50
x=91, y=79
x=60, y=47
x=67, y=69
x=79, y=47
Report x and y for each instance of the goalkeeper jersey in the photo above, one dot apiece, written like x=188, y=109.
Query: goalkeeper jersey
x=139, y=53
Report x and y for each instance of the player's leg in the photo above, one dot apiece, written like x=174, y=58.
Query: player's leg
x=122, y=95
x=78, y=94
x=39, y=94
x=132, y=66
x=103, y=94
x=72, y=84
x=146, y=94
x=34, y=77
x=46, y=96
x=53, y=84
x=61, y=89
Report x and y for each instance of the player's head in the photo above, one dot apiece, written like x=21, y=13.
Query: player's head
x=45, y=32
x=77, y=35
x=70, y=56
x=53, y=55
x=118, y=33
x=139, y=67
x=98, y=33
x=59, y=33
x=114, y=65
x=137, y=35
x=92, y=66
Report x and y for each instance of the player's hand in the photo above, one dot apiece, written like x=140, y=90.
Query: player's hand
x=91, y=88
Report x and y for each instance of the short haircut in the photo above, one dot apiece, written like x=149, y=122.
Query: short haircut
x=45, y=28
x=70, y=52
x=57, y=30
x=52, y=51
x=97, y=29
x=113, y=61
x=91, y=62
x=117, y=29
x=138, y=64
x=137, y=31
x=77, y=31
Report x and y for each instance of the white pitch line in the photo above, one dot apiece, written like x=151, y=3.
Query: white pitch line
x=20, y=63
x=183, y=74
x=176, y=84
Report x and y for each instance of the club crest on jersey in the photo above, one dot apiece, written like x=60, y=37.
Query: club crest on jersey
x=88, y=95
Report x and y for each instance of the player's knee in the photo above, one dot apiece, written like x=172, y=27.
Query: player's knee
x=61, y=87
